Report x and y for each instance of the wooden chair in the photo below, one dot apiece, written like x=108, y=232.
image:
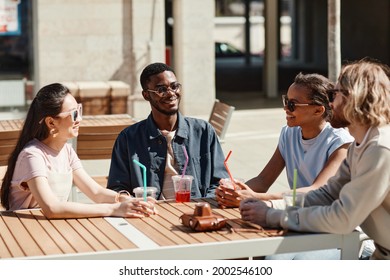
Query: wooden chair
x=220, y=118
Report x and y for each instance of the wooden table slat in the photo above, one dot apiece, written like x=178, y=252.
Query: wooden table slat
x=4, y=252
x=115, y=236
x=21, y=235
x=75, y=240
x=151, y=232
x=12, y=246
x=56, y=236
x=87, y=236
x=167, y=219
x=40, y=236
x=106, y=242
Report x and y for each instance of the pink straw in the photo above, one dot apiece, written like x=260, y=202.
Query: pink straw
x=186, y=163
x=185, y=166
x=227, y=168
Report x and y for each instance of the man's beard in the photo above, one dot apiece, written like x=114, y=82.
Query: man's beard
x=165, y=112
x=338, y=121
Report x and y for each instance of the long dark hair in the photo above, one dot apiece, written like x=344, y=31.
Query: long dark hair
x=47, y=103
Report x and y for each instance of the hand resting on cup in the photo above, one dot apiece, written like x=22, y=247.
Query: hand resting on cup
x=254, y=211
x=130, y=207
x=228, y=197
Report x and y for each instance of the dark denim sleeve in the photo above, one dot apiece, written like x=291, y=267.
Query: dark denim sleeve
x=119, y=176
x=217, y=163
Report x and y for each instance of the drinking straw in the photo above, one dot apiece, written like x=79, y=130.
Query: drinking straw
x=144, y=175
x=227, y=168
x=295, y=186
x=185, y=167
x=186, y=163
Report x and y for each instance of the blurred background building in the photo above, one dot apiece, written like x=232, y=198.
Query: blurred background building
x=214, y=45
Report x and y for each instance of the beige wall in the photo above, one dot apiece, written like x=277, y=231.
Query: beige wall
x=194, y=54
x=100, y=40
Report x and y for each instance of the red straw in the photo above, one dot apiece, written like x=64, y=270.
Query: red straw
x=227, y=168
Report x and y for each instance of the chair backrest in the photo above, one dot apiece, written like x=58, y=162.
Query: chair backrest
x=220, y=118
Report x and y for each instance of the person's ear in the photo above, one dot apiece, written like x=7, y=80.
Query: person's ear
x=320, y=110
x=146, y=95
x=50, y=122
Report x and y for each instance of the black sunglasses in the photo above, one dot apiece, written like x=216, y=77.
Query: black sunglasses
x=291, y=104
x=332, y=93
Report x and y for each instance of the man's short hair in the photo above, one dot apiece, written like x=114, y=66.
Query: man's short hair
x=151, y=70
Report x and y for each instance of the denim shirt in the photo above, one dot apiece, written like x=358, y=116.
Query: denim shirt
x=144, y=142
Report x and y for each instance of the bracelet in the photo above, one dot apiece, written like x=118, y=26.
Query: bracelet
x=121, y=193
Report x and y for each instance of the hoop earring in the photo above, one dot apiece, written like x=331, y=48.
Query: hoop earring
x=53, y=132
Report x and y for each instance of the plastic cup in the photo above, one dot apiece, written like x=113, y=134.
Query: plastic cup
x=182, y=185
x=150, y=191
x=299, y=199
x=227, y=183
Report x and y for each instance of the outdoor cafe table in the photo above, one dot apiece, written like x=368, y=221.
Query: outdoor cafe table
x=28, y=234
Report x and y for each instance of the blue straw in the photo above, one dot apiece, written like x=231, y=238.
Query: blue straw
x=144, y=173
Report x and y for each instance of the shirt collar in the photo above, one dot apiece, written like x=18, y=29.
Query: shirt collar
x=181, y=131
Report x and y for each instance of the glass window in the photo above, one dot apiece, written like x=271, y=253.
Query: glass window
x=16, y=40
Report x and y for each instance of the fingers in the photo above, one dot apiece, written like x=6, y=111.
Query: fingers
x=227, y=197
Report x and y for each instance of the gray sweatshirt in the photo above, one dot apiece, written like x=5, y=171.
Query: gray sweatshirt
x=359, y=194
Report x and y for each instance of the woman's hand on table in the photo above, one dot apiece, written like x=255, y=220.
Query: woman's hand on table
x=228, y=197
x=137, y=208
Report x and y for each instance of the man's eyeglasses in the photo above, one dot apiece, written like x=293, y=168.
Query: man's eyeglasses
x=291, y=104
x=162, y=91
x=332, y=93
x=76, y=114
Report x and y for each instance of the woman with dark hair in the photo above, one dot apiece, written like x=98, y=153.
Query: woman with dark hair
x=307, y=143
x=43, y=166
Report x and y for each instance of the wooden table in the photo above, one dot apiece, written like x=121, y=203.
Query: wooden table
x=28, y=234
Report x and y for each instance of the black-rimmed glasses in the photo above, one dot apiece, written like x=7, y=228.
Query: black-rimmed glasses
x=162, y=91
x=291, y=104
x=332, y=93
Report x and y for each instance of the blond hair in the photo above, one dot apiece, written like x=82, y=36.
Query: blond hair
x=368, y=85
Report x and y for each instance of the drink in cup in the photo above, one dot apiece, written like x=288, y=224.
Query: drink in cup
x=227, y=183
x=288, y=198
x=150, y=191
x=182, y=185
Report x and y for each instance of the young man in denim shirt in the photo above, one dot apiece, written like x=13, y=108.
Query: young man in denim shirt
x=157, y=143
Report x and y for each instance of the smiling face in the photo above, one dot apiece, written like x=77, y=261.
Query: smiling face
x=67, y=128
x=302, y=115
x=168, y=104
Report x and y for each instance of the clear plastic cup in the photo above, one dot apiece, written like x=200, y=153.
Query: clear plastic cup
x=182, y=185
x=227, y=183
x=150, y=191
x=289, y=199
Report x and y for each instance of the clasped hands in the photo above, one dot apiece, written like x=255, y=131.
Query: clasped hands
x=252, y=209
x=134, y=207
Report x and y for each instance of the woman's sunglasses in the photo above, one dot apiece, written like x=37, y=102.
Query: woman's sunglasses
x=76, y=114
x=291, y=104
